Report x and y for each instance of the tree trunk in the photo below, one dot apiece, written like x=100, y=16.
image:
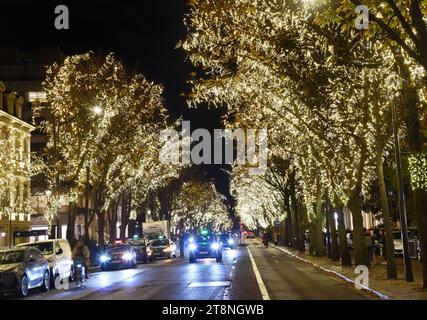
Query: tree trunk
x=335, y=255
x=71, y=222
x=112, y=222
x=343, y=245
x=87, y=220
x=293, y=210
x=288, y=231
x=389, y=242
x=101, y=228
x=131, y=227
x=360, y=251
x=312, y=238
x=320, y=240
x=421, y=207
x=302, y=218
x=126, y=206
x=416, y=139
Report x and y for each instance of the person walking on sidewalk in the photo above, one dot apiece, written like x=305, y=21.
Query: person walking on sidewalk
x=276, y=239
x=369, y=242
x=265, y=239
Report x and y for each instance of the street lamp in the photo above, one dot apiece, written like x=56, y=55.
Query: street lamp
x=402, y=208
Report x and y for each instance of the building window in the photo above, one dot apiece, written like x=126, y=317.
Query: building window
x=36, y=95
x=4, y=133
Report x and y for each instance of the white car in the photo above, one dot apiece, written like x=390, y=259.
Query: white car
x=59, y=255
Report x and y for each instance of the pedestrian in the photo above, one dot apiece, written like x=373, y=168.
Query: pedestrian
x=265, y=239
x=276, y=239
x=81, y=252
x=369, y=242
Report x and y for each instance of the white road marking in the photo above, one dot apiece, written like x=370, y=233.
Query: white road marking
x=209, y=284
x=261, y=284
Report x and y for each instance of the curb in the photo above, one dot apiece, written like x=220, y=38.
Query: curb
x=348, y=280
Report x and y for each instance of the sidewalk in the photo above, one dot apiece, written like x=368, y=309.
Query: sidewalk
x=392, y=289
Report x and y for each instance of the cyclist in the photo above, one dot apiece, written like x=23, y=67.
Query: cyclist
x=81, y=254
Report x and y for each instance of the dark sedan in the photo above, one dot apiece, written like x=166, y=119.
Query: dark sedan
x=142, y=249
x=228, y=241
x=205, y=246
x=118, y=255
x=23, y=269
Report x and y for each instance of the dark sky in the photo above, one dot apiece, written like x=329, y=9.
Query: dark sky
x=143, y=33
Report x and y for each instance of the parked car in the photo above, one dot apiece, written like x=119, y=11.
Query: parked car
x=398, y=244
x=59, y=256
x=118, y=255
x=163, y=248
x=412, y=236
x=22, y=269
x=142, y=249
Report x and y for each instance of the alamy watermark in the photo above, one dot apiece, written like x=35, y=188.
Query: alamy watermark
x=62, y=21
x=178, y=147
x=362, y=20
x=362, y=280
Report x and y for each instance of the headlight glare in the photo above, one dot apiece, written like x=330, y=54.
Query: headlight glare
x=127, y=256
x=215, y=246
x=105, y=258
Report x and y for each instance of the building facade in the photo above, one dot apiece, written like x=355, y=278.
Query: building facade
x=15, y=169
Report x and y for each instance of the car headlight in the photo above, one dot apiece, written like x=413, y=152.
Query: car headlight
x=215, y=246
x=105, y=258
x=230, y=241
x=127, y=256
x=167, y=249
x=192, y=247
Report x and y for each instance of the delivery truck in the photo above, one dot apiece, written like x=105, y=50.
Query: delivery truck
x=155, y=229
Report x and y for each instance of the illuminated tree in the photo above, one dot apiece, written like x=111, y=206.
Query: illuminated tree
x=198, y=204
x=400, y=26
x=312, y=87
x=103, y=126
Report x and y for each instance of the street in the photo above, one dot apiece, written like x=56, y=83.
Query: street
x=233, y=279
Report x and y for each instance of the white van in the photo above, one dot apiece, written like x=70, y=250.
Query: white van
x=59, y=255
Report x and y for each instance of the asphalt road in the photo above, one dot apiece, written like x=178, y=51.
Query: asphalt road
x=287, y=278
x=279, y=277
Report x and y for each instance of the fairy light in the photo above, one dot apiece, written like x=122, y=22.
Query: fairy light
x=418, y=170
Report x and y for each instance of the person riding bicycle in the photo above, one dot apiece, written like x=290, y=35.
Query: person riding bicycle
x=81, y=254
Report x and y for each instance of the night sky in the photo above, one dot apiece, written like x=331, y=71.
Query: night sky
x=142, y=33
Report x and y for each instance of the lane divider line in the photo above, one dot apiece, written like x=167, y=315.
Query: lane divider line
x=227, y=290
x=379, y=294
x=261, y=284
